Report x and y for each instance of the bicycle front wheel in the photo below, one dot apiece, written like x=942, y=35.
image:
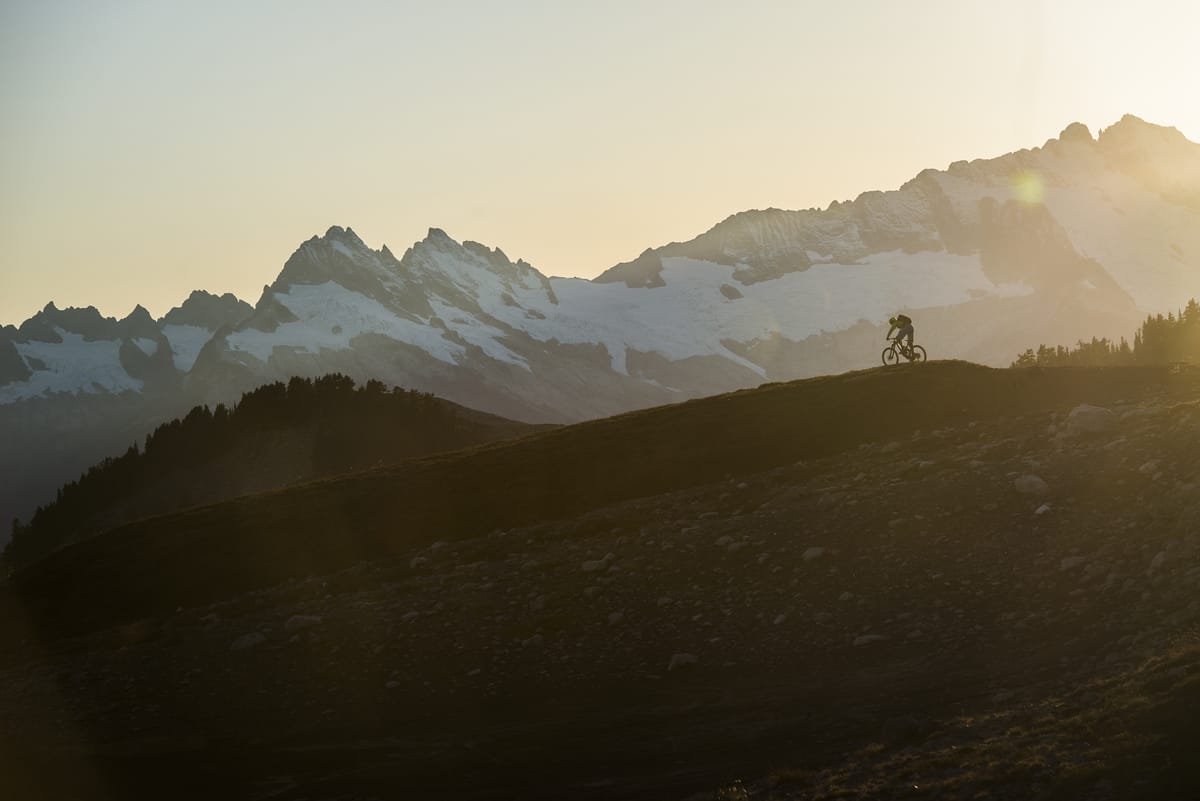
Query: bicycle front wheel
x=918, y=354
x=890, y=357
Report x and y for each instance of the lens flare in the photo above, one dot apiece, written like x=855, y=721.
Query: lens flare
x=1027, y=187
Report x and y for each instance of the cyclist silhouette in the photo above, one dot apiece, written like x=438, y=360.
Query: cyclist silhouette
x=903, y=326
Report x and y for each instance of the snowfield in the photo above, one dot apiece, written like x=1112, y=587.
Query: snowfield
x=689, y=317
x=186, y=343
x=73, y=365
x=330, y=317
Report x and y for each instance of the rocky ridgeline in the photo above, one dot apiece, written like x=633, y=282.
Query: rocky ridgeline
x=875, y=600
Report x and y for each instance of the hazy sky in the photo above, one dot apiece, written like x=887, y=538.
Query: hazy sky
x=152, y=148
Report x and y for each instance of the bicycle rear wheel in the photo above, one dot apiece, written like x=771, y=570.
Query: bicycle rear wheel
x=890, y=357
x=918, y=354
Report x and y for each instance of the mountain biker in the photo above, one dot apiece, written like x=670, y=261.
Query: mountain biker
x=903, y=326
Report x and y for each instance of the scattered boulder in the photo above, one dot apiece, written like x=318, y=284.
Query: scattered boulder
x=1071, y=562
x=593, y=565
x=297, y=622
x=1030, y=484
x=1086, y=419
x=867, y=639
x=813, y=553
x=681, y=660
x=247, y=641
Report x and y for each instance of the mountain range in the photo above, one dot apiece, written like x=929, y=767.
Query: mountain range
x=1078, y=238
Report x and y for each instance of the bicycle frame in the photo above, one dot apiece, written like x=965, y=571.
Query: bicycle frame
x=904, y=350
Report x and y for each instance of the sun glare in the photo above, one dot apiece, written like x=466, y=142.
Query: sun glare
x=1027, y=187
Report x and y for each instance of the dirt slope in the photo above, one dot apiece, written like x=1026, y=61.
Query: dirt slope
x=830, y=602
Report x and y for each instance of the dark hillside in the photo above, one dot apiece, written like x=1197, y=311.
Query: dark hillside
x=275, y=436
x=203, y=554
x=987, y=593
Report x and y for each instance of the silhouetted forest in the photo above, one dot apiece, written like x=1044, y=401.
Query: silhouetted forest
x=1159, y=340
x=221, y=452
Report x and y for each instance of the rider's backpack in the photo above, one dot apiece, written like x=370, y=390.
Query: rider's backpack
x=902, y=320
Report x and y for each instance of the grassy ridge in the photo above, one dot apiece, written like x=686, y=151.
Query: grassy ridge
x=203, y=554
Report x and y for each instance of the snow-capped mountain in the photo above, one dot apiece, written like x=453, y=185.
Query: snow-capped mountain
x=190, y=326
x=1078, y=238
x=76, y=386
x=71, y=350
x=80, y=351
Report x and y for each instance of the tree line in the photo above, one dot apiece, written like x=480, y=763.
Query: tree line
x=349, y=427
x=1159, y=340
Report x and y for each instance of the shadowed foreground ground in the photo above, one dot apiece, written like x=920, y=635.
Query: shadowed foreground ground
x=783, y=593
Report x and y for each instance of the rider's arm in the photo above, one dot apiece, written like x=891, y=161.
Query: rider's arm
x=889, y=333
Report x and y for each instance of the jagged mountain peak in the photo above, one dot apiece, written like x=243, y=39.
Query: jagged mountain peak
x=439, y=252
x=1147, y=139
x=936, y=211
x=138, y=324
x=1133, y=125
x=1158, y=157
x=138, y=315
x=1076, y=132
x=342, y=257
x=435, y=241
x=345, y=236
x=335, y=231
x=208, y=311
x=87, y=321
x=342, y=240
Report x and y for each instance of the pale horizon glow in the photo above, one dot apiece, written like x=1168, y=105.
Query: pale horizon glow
x=149, y=149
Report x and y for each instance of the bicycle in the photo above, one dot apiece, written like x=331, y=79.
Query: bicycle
x=892, y=353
